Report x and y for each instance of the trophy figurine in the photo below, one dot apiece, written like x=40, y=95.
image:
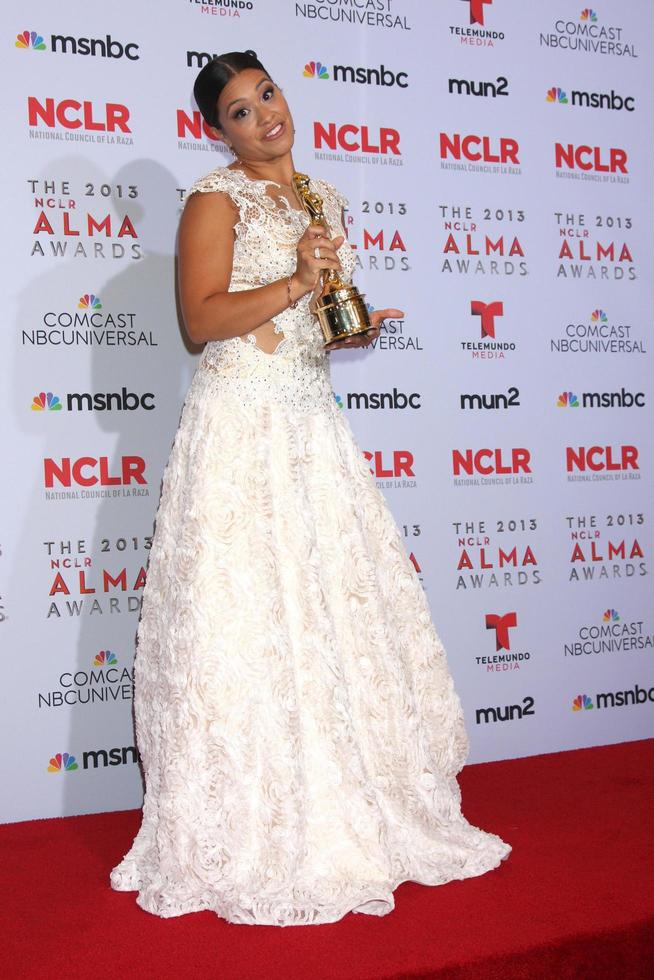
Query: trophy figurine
x=339, y=306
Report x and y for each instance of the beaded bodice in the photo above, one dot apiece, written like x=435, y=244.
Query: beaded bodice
x=265, y=241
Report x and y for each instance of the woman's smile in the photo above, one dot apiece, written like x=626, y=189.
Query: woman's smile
x=275, y=132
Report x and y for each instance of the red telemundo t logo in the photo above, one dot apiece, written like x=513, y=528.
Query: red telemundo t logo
x=477, y=10
x=487, y=313
x=501, y=625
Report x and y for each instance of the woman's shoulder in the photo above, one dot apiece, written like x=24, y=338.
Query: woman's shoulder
x=220, y=179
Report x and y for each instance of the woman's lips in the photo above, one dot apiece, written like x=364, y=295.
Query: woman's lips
x=275, y=132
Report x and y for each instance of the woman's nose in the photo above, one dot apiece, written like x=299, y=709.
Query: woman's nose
x=264, y=115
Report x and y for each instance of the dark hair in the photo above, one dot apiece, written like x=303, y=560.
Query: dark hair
x=215, y=75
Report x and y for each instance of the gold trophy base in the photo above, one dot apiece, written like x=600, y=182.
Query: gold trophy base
x=342, y=313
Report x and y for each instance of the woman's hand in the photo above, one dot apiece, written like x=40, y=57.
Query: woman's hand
x=307, y=274
x=364, y=339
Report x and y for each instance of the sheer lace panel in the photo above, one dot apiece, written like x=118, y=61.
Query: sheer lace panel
x=269, y=337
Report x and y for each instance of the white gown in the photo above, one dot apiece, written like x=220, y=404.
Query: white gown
x=297, y=723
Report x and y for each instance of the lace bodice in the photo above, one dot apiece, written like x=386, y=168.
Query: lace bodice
x=266, y=236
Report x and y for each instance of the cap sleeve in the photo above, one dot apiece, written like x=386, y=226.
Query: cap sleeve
x=336, y=195
x=217, y=180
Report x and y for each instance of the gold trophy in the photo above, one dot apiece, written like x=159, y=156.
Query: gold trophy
x=339, y=306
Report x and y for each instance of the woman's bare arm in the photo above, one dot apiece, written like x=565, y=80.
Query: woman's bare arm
x=206, y=249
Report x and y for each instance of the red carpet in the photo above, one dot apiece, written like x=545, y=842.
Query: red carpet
x=575, y=898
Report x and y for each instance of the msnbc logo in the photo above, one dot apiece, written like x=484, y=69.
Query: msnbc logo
x=89, y=302
x=45, y=401
x=315, y=69
x=30, y=39
x=556, y=94
x=588, y=15
x=582, y=703
x=567, y=399
x=62, y=762
x=339, y=401
x=105, y=658
x=598, y=316
x=611, y=616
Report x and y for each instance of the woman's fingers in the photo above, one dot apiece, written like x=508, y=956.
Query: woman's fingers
x=315, y=231
x=377, y=316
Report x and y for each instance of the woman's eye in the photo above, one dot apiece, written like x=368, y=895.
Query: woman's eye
x=268, y=94
x=239, y=114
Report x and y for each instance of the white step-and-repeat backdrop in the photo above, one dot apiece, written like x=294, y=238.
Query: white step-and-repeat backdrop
x=497, y=160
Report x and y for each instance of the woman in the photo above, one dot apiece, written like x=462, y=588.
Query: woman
x=296, y=719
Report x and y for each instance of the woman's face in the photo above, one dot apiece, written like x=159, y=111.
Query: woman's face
x=254, y=117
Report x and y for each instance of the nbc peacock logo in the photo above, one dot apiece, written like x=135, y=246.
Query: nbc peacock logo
x=588, y=16
x=62, y=762
x=89, y=301
x=46, y=401
x=598, y=316
x=315, y=69
x=30, y=41
x=567, y=399
x=105, y=658
x=582, y=703
x=339, y=400
x=611, y=616
x=556, y=94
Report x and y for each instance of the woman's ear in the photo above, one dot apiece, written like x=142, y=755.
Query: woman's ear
x=217, y=134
